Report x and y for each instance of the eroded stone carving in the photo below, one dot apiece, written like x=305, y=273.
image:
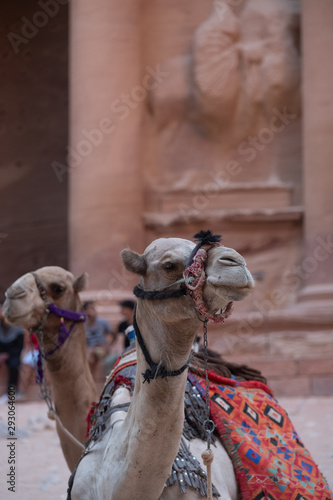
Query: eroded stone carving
x=234, y=97
x=245, y=64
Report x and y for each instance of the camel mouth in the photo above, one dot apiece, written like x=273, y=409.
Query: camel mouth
x=224, y=311
x=234, y=293
x=10, y=317
x=13, y=318
x=218, y=283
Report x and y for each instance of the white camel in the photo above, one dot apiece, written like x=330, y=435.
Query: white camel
x=139, y=448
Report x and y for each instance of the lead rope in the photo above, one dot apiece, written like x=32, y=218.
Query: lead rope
x=44, y=392
x=208, y=455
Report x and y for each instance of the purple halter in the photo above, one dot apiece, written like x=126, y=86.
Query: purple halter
x=63, y=332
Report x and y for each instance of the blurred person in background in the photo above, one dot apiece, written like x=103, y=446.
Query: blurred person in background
x=124, y=335
x=99, y=335
x=11, y=345
x=29, y=361
x=127, y=311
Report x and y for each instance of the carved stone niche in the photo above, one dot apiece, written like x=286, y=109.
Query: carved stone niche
x=225, y=122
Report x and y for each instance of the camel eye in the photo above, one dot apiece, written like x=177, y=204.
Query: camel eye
x=57, y=289
x=169, y=266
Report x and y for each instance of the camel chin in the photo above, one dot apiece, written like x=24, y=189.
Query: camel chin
x=216, y=299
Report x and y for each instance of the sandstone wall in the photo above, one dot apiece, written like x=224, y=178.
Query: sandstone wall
x=183, y=115
x=218, y=110
x=33, y=134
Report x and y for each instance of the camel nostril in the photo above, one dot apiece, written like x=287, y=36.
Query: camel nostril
x=229, y=261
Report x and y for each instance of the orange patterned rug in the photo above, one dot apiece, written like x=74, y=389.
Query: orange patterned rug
x=270, y=460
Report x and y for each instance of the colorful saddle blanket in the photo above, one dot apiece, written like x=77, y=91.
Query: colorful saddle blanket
x=269, y=459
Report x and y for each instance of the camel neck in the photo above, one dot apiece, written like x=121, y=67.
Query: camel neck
x=64, y=358
x=73, y=388
x=165, y=347
x=155, y=370
x=156, y=417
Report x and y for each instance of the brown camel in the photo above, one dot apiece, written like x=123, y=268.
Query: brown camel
x=73, y=388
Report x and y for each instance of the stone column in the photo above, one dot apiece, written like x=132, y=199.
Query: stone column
x=105, y=180
x=317, y=264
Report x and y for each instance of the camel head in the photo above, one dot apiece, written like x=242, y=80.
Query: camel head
x=163, y=263
x=24, y=305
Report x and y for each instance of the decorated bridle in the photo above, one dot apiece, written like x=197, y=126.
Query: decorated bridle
x=195, y=276
x=192, y=283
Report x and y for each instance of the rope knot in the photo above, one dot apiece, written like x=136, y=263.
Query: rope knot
x=155, y=370
x=207, y=457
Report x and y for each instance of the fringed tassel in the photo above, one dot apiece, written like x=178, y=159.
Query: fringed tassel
x=203, y=238
x=62, y=332
x=91, y=418
x=207, y=237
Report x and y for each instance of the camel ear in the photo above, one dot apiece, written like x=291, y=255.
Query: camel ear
x=80, y=283
x=134, y=262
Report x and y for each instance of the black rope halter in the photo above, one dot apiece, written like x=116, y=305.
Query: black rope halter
x=155, y=369
x=160, y=295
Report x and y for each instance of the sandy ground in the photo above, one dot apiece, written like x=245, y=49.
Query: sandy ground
x=41, y=472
